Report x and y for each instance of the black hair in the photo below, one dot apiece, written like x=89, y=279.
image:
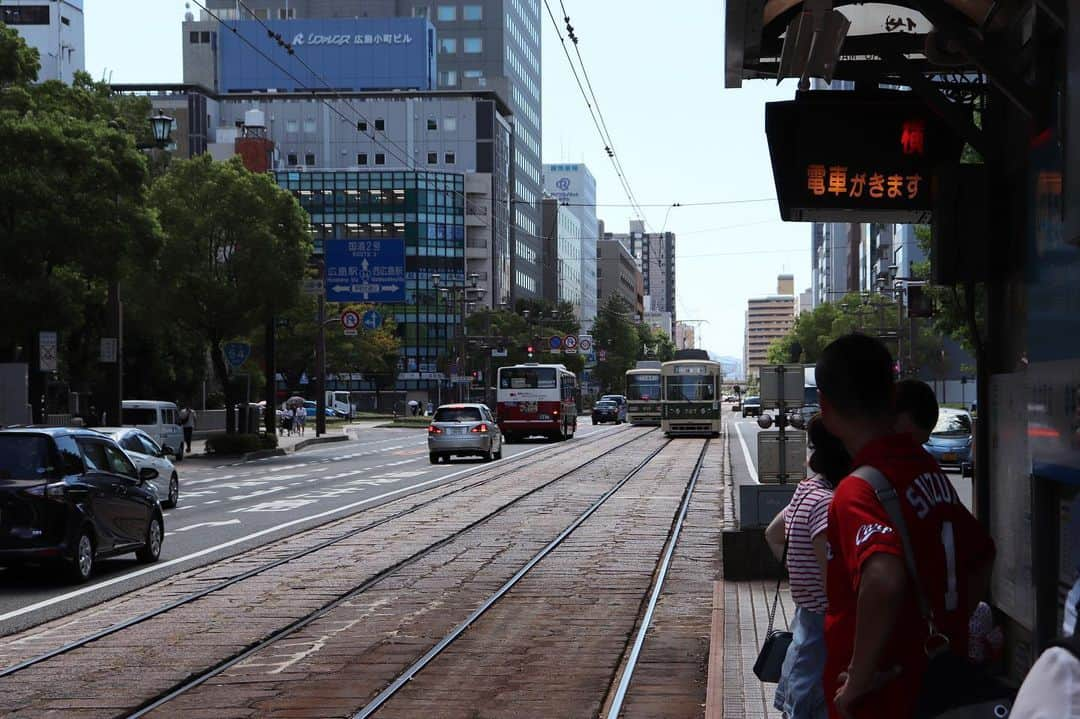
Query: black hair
x=855, y=373
x=917, y=399
x=828, y=456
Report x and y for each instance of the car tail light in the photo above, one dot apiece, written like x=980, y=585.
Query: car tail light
x=54, y=491
x=555, y=411
x=481, y=428
x=432, y=429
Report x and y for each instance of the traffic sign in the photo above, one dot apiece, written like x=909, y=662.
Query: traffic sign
x=312, y=286
x=372, y=319
x=109, y=349
x=555, y=342
x=585, y=344
x=350, y=320
x=47, y=343
x=365, y=270
x=499, y=352
x=570, y=344
x=237, y=353
x=601, y=355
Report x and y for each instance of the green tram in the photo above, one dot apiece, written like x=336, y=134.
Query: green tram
x=643, y=394
x=690, y=404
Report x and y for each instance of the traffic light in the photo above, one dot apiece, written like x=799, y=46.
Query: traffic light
x=529, y=351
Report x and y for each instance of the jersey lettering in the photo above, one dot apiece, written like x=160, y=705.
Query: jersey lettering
x=928, y=491
x=868, y=530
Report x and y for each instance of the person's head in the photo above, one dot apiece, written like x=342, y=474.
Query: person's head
x=828, y=457
x=855, y=382
x=916, y=409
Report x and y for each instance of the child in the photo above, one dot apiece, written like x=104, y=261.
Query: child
x=916, y=409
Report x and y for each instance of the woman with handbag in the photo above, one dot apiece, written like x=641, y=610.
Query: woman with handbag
x=797, y=538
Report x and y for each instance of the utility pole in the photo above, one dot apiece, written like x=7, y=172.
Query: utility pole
x=320, y=358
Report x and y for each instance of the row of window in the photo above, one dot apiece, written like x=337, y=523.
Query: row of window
x=469, y=45
x=526, y=282
x=527, y=168
x=512, y=29
x=524, y=137
x=529, y=12
x=522, y=72
x=469, y=13
x=525, y=252
x=363, y=159
x=386, y=181
x=523, y=107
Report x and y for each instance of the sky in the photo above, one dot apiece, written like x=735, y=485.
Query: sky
x=680, y=136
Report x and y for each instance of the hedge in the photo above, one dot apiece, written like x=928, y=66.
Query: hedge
x=222, y=443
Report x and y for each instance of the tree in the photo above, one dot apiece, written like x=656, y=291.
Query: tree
x=19, y=63
x=654, y=344
x=615, y=333
x=952, y=315
x=514, y=332
x=234, y=253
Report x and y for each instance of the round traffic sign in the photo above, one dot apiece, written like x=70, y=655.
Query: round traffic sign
x=570, y=342
x=350, y=319
x=585, y=344
x=555, y=342
x=373, y=319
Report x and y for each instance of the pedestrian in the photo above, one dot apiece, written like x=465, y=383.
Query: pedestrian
x=187, y=423
x=798, y=533
x=414, y=407
x=298, y=413
x=430, y=408
x=916, y=409
x=901, y=616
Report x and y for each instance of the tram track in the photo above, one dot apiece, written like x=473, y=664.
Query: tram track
x=507, y=468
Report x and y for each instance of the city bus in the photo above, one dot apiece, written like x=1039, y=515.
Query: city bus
x=537, y=399
x=690, y=400
x=643, y=394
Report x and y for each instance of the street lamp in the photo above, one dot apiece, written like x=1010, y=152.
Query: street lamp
x=162, y=126
x=468, y=294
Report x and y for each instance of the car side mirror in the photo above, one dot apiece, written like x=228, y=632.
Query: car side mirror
x=167, y=451
x=147, y=474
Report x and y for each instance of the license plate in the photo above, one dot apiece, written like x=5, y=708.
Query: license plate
x=458, y=430
x=530, y=407
x=949, y=457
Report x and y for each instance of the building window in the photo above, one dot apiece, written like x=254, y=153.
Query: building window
x=380, y=124
x=380, y=159
x=361, y=158
x=449, y=124
x=193, y=38
x=473, y=45
x=447, y=13
x=472, y=13
x=473, y=74
x=286, y=13
x=292, y=126
x=450, y=158
x=25, y=15
x=309, y=159
x=432, y=124
x=309, y=125
x=204, y=37
x=448, y=45
x=291, y=159
x=433, y=158
x=448, y=78
x=361, y=126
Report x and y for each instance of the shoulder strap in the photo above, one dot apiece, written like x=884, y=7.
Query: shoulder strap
x=886, y=494
x=1070, y=644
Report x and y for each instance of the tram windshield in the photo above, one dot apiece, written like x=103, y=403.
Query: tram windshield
x=527, y=378
x=690, y=389
x=643, y=386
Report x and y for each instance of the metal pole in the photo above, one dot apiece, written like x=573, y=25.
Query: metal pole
x=320, y=361
x=781, y=422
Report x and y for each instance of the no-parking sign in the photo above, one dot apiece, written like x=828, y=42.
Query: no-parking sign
x=350, y=320
x=570, y=344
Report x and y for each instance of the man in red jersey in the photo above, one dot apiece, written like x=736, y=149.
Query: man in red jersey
x=875, y=636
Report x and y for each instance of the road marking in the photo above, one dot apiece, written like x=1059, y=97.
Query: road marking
x=746, y=454
x=206, y=524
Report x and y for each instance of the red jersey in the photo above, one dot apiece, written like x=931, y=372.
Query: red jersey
x=948, y=543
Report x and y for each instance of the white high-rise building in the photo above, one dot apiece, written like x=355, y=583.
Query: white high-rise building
x=55, y=29
x=575, y=189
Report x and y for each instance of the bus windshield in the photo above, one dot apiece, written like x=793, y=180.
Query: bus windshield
x=643, y=386
x=690, y=389
x=527, y=378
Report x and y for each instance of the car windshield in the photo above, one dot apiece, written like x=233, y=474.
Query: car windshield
x=527, y=378
x=614, y=399
x=605, y=404
x=135, y=416
x=24, y=456
x=954, y=425
x=457, y=414
x=752, y=400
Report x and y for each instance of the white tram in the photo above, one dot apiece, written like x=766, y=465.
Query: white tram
x=690, y=404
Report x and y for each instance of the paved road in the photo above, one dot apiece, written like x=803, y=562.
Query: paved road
x=228, y=508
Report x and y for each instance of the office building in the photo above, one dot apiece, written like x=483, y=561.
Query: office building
x=684, y=336
x=618, y=275
x=575, y=188
x=659, y=321
x=486, y=45
x=767, y=320
x=562, y=255
x=655, y=253
x=55, y=29
x=805, y=302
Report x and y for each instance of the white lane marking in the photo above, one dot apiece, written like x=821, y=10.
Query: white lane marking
x=247, y=538
x=746, y=454
x=206, y=524
x=212, y=501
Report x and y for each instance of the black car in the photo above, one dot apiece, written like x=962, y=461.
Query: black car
x=751, y=407
x=605, y=411
x=70, y=496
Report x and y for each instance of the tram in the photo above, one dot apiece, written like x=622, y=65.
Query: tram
x=643, y=393
x=690, y=400
x=537, y=399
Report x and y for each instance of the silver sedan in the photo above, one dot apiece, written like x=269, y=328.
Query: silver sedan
x=145, y=452
x=464, y=430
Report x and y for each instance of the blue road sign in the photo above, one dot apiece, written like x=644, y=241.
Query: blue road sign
x=237, y=353
x=555, y=342
x=365, y=270
x=372, y=319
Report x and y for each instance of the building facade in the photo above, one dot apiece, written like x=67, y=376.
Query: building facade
x=485, y=45
x=767, y=320
x=575, y=188
x=618, y=275
x=655, y=253
x=684, y=336
x=55, y=29
x=659, y=321
x=562, y=255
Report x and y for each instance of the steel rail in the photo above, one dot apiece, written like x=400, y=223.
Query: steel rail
x=403, y=678
x=658, y=584
x=367, y=584
x=299, y=554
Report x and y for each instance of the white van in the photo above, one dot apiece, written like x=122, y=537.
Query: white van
x=157, y=419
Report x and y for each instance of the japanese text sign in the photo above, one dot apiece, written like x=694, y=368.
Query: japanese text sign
x=366, y=270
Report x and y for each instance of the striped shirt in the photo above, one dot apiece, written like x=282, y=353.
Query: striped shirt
x=804, y=519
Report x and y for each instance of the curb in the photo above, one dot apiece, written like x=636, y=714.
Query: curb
x=318, y=440
x=263, y=454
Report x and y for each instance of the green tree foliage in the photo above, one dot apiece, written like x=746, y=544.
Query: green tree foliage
x=19, y=63
x=616, y=333
x=654, y=344
x=951, y=314
x=234, y=253
x=515, y=331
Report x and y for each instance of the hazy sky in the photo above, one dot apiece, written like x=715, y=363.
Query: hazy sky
x=680, y=136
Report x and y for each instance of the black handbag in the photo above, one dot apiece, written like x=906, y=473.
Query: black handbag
x=770, y=660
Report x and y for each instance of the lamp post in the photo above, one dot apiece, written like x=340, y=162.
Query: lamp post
x=467, y=293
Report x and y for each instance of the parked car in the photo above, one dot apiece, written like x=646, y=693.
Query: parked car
x=950, y=440
x=620, y=401
x=751, y=407
x=72, y=496
x=157, y=419
x=605, y=411
x=310, y=409
x=464, y=430
x=145, y=452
